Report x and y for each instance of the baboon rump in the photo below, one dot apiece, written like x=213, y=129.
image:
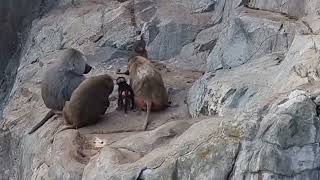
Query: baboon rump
x=89, y=101
x=147, y=84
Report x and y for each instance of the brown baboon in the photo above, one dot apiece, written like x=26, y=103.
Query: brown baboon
x=60, y=81
x=88, y=102
x=146, y=81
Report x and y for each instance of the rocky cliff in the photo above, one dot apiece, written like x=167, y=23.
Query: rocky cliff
x=252, y=115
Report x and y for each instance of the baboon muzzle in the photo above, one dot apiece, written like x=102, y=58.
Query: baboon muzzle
x=87, y=69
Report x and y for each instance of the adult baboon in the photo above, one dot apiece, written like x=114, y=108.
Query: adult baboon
x=88, y=102
x=148, y=87
x=61, y=80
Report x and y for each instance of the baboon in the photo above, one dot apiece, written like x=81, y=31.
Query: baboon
x=88, y=102
x=60, y=81
x=139, y=47
x=125, y=95
x=148, y=87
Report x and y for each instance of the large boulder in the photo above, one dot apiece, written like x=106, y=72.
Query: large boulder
x=294, y=8
x=168, y=25
x=280, y=129
x=249, y=36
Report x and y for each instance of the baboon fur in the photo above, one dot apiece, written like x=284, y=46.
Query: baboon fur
x=139, y=47
x=89, y=101
x=146, y=81
x=61, y=80
x=125, y=95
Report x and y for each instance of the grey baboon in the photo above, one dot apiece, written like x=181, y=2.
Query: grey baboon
x=61, y=80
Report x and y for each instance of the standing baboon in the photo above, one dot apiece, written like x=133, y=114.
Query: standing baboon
x=60, y=81
x=139, y=47
x=88, y=102
x=148, y=87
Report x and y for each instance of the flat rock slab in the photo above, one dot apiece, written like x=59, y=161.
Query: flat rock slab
x=178, y=83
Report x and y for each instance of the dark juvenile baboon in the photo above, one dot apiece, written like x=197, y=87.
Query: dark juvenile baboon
x=139, y=47
x=88, y=102
x=125, y=93
x=60, y=81
x=148, y=87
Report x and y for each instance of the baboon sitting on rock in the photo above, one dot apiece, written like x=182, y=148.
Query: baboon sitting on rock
x=60, y=81
x=88, y=102
x=146, y=81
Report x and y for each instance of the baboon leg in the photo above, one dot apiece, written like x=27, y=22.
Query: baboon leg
x=145, y=125
x=132, y=100
x=126, y=102
x=120, y=101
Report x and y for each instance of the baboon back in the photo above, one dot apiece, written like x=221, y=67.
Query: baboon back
x=57, y=88
x=147, y=85
x=89, y=101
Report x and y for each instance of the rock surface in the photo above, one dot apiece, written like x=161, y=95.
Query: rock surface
x=15, y=19
x=243, y=79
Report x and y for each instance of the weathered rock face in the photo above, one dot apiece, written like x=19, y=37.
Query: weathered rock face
x=279, y=128
x=253, y=115
x=251, y=35
x=15, y=19
x=294, y=8
x=15, y=16
x=170, y=25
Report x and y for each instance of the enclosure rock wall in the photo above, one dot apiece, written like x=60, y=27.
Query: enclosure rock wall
x=254, y=112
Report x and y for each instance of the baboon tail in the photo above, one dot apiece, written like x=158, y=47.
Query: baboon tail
x=145, y=125
x=44, y=120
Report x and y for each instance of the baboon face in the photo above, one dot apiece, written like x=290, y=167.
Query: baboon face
x=76, y=62
x=121, y=80
x=79, y=66
x=139, y=46
x=139, y=49
x=87, y=69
